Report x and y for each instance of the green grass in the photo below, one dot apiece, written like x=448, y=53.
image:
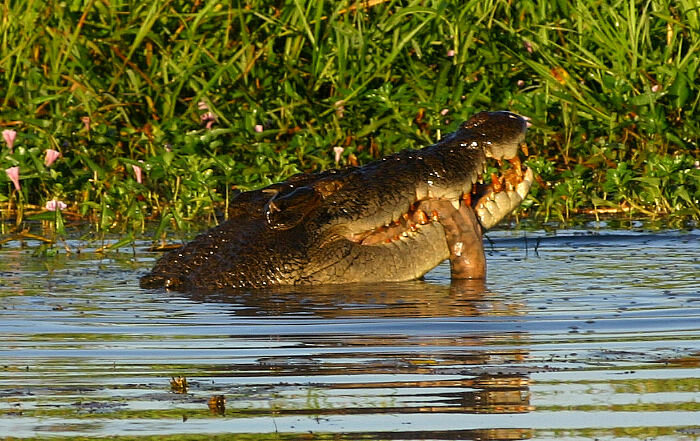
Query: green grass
x=611, y=87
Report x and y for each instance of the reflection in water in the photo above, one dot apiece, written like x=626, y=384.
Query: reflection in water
x=583, y=339
x=465, y=380
x=406, y=299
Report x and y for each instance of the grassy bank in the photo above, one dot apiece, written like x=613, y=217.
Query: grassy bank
x=161, y=110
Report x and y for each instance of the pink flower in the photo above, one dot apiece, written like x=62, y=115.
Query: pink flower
x=13, y=174
x=54, y=205
x=259, y=128
x=51, y=156
x=338, y=152
x=209, y=118
x=521, y=83
x=655, y=88
x=86, y=121
x=528, y=46
x=138, y=173
x=451, y=53
x=444, y=112
x=9, y=136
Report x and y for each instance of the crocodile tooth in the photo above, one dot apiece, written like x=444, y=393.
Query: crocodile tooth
x=496, y=183
x=455, y=203
x=272, y=207
x=467, y=198
x=523, y=187
x=515, y=162
x=422, y=217
x=523, y=147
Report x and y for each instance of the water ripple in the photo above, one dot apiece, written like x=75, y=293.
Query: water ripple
x=580, y=334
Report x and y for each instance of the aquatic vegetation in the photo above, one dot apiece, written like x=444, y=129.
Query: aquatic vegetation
x=162, y=111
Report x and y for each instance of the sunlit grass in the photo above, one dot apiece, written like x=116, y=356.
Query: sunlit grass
x=611, y=87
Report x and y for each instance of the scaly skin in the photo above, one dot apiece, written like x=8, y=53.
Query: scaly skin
x=391, y=220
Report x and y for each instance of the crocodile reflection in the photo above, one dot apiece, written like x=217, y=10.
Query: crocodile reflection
x=460, y=358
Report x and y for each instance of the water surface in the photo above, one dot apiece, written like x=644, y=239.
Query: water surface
x=578, y=334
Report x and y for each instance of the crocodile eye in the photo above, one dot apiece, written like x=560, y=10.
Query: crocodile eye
x=476, y=120
x=283, y=212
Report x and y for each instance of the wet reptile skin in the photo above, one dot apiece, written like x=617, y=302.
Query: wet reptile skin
x=336, y=226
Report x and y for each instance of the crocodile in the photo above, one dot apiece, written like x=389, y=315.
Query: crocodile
x=390, y=220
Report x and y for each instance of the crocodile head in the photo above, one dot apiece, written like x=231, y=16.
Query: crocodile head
x=391, y=220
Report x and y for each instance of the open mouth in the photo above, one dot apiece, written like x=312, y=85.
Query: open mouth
x=491, y=202
x=506, y=191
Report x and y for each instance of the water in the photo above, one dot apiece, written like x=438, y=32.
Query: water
x=578, y=334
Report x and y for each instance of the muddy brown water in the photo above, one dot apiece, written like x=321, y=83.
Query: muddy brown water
x=578, y=334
